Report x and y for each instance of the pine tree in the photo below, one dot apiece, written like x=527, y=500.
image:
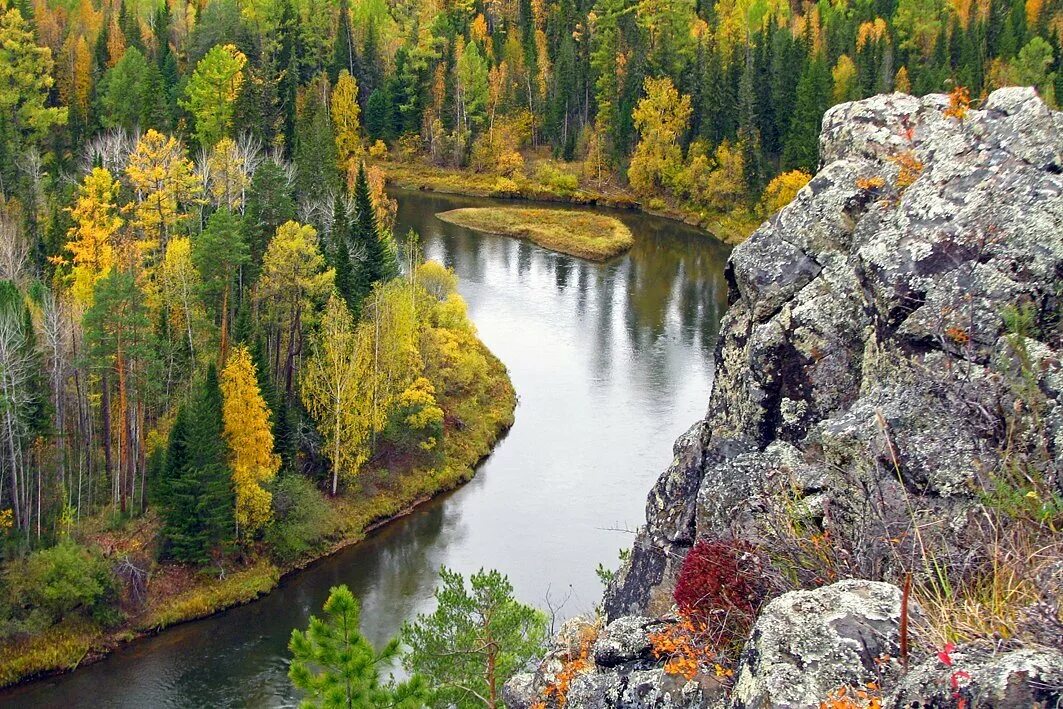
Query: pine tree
x=219, y=253
x=336, y=667
x=478, y=636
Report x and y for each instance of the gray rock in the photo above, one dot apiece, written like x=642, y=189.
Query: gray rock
x=519, y=691
x=867, y=373
x=624, y=640
x=984, y=675
x=805, y=644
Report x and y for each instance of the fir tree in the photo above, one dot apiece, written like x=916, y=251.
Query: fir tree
x=340, y=255
x=801, y=151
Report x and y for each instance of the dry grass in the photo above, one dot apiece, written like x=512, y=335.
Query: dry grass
x=583, y=234
x=61, y=647
x=211, y=595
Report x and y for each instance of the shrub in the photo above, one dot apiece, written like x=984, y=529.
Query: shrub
x=556, y=178
x=415, y=421
x=721, y=586
x=504, y=187
x=301, y=518
x=378, y=150
x=65, y=580
x=781, y=191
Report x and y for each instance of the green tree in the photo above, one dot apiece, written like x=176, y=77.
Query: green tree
x=198, y=497
x=269, y=204
x=211, y=92
x=472, y=88
x=335, y=666
x=340, y=255
x=801, y=150
x=122, y=92
x=477, y=638
x=378, y=259
x=1032, y=67
x=120, y=344
x=219, y=253
x=315, y=147
x=25, y=80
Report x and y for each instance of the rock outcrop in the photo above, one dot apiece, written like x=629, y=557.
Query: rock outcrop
x=859, y=393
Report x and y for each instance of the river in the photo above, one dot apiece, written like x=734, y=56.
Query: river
x=611, y=362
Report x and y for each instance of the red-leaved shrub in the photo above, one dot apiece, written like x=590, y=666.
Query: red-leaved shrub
x=721, y=587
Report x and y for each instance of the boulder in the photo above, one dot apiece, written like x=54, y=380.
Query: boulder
x=806, y=644
x=981, y=675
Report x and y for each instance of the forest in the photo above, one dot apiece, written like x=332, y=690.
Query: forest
x=208, y=329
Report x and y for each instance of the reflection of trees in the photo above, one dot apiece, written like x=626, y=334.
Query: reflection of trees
x=669, y=289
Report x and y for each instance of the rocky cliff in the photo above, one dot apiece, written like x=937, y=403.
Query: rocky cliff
x=886, y=411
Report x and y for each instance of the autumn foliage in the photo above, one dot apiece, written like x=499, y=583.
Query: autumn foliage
x=721, y=587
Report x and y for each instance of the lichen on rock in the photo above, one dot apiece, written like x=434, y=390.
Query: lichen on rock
x=863, y=394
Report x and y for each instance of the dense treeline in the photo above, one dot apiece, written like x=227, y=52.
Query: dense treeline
x=698, y=102
x=206, y=327
x=199, y=291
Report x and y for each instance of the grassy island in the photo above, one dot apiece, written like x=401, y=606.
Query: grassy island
x=596, y=237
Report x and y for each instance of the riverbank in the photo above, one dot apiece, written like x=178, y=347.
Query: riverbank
x=556, y=185
x=595, y=237
x=178, y=594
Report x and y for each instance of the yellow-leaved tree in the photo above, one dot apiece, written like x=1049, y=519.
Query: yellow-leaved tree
x=334, y=392
x=294, y=280
x=782, y=190
x=247, y=431
x=345, y=114
x=163, y=181
x=96, y=221
x=227, y=175
x=662, y=117
x=180, y=285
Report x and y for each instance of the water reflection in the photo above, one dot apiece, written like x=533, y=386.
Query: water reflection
x=611, y=361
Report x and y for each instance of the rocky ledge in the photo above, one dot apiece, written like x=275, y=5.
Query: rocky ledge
x=890, y=353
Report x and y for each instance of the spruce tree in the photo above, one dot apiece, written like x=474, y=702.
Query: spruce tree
x=801, y=151
x=377, y=262
x=343, y=52
x=198, y=498
x=748, y=126
x=340, y=255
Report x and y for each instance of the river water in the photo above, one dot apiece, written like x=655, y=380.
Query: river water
x=611, y=362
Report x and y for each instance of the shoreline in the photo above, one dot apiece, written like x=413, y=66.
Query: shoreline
x=66, y=647
x=421, y=177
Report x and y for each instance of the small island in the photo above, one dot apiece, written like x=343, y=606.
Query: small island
x=596, y=237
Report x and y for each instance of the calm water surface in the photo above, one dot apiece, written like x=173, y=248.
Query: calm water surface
x=611, y=363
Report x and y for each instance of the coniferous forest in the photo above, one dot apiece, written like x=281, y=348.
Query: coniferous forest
x=209, y=333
